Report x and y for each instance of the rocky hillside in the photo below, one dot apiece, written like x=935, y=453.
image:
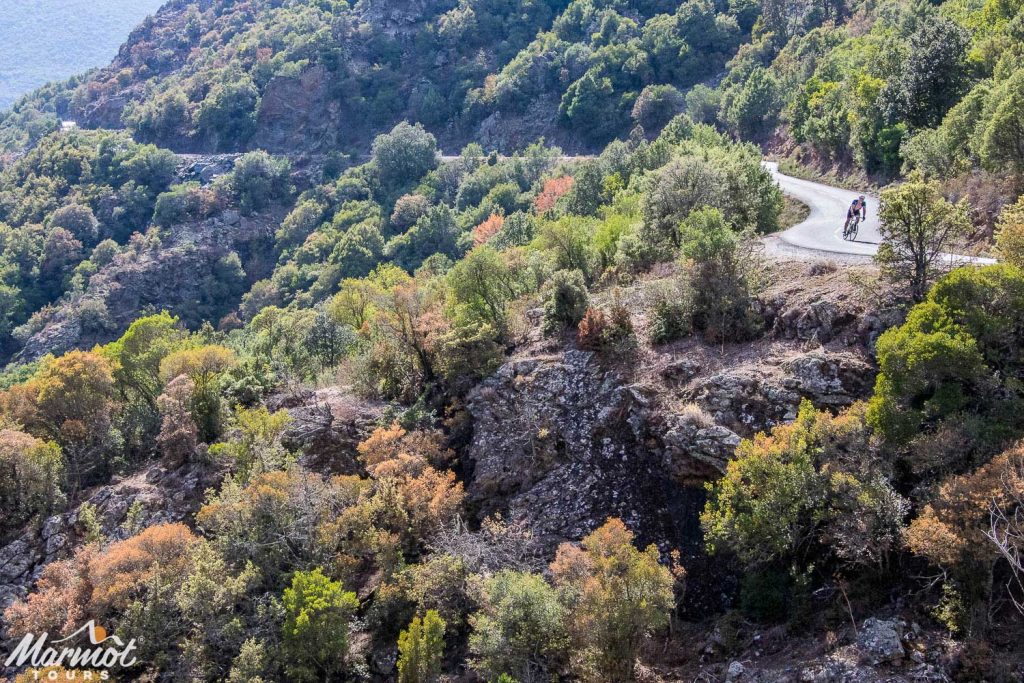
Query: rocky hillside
x=306, y=381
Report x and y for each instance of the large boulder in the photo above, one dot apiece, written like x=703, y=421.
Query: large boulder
x=881, y=641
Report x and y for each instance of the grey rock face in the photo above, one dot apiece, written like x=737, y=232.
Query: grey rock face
x=562, y=445
x=154, y=495
x=755, y=398
x=881, y=641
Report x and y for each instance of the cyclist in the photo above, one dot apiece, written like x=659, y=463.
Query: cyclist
x=859, y=207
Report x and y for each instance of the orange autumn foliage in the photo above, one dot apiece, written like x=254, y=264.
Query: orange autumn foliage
x=430, y=497
x=951, y=529
x=488, y=229
x=386, y=443
x=60, y=602
x=128, y=566
x=552, y=191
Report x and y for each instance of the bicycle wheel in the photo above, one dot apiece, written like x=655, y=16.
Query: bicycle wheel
x=853, y=230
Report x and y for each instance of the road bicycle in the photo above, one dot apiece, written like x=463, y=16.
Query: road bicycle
x=851, y=227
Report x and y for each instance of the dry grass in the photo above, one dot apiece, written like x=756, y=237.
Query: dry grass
x=693, y=414
x=794, y=211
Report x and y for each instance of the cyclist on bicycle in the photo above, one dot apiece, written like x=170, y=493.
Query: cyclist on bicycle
x=858, y=207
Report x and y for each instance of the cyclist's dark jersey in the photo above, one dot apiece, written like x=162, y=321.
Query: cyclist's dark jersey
x=854, y=209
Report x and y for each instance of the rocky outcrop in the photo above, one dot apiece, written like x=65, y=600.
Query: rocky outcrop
x=155, y=495
x=877, y=656
x=826, y=305
x=561, y=444
x=881, y=641
x=296, y=113
x=326, y=427
x=758, y=395
x=761, y=394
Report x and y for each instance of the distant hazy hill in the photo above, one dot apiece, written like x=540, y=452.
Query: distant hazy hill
x=46, y=40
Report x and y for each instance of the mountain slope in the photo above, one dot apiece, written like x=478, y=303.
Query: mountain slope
x=294, y=75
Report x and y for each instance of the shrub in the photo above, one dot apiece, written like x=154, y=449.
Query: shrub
x=184, y=202
x=156, y=557
x=408, y=209
x=31, y=473
x=317, y=612
x=955, y=359
x=670, y=313
x=794, y=496
x=421, y=649
x=764, y=595
x=519, y=628
x=607, y=333
x=656, y=106
x=719, y=273
x=1010, y=234
x=565, y=301
x=618, y=596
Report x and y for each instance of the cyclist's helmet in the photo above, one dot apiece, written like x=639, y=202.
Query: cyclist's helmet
x=862, y=197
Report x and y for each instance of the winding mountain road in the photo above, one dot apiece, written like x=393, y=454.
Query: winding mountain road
x=821, y=233
x=822, y=230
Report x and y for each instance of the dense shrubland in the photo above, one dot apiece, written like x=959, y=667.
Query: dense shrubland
x=407, y=279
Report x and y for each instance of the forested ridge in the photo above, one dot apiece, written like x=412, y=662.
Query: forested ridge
x=454, y=341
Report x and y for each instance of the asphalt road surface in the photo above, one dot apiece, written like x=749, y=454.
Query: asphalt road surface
x=822, y=230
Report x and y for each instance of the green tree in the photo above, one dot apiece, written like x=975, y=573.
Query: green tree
x=918, y=226
x=317, y=615
x=360, y=249
x=1010, y=234
x=404, y=155
x=31, y=474
x=1002, y=135
x=421, y=649
x=805, y=492
x=434, y=233
x=933, y=77
x=954, y=362
x=754, y=108
x=656, y=106
x=589, y=105
x=719, y=275
x=480, y=286
x=519, y=628
x=227, y=116
x=259, y=179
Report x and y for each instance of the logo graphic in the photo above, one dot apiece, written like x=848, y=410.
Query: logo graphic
x=101, y=652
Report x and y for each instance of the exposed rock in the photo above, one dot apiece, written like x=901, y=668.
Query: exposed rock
x=826, y=305
x=326, y=427
x=881, y=641
x=759, y=395
x=833, y=380
x=295, y=113
x=153, y=495
x=204, y=168
x=561, y=445
x=695, y=453
x=734, y=672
